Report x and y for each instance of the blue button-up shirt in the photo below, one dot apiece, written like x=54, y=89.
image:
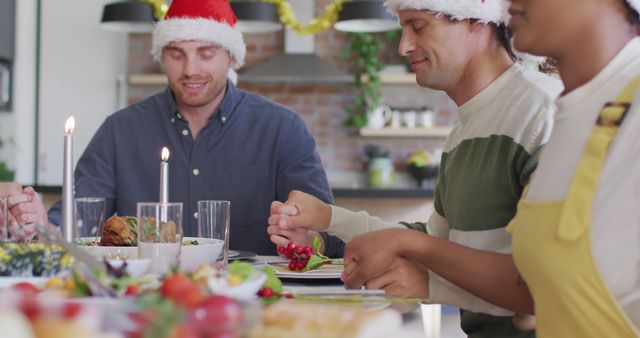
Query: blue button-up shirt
x=251, y=152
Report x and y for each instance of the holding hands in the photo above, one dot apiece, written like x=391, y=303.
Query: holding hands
x=374, y=261
x=25, y=210
x=299, y=219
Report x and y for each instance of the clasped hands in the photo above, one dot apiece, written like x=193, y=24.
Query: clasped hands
x=372, y=260
x=25, y=211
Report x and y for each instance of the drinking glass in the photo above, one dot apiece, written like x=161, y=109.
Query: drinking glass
x=160, y=235
x=213, y=223
x=89, y=216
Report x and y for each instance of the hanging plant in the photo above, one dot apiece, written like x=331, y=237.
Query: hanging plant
x=364, y=50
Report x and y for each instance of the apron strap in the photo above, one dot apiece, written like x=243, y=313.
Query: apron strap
x=576, y=214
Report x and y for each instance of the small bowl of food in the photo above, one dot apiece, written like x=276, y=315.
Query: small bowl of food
x=134, y=267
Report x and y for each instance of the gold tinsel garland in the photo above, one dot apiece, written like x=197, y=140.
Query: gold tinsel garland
x=288, y=17
x=160, y=8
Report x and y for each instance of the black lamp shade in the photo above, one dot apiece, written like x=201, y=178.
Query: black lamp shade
x=256, y=16
x=128, y=16
x=359, y=16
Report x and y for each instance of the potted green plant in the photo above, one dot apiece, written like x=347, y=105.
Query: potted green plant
x=6, y=174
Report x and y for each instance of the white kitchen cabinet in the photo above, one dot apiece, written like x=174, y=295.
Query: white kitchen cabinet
x=79, y=66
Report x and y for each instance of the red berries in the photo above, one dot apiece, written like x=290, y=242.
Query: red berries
x=299, y=255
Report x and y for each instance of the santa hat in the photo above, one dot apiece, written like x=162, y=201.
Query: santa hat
x=201, y=20
x=635, y=4
x=485, y=11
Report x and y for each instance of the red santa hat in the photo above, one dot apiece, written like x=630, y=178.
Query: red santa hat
x=485, y=11
x=201, y=20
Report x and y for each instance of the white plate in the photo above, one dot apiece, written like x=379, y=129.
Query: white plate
x=233, y=253
x=192, y=256
x=242, y=255
x=7, y=282
x=327, y=271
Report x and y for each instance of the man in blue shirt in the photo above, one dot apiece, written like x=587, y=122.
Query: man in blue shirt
x=226, y=144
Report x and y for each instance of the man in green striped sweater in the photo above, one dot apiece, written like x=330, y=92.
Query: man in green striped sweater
x=505, y=114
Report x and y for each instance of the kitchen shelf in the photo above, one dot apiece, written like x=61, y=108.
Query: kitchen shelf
x=158, y=79
x=399, y=78
x=435, y=132
x=148, y=79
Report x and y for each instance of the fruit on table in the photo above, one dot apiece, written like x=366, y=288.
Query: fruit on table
x=181, y=290
x=216, y=316
x=25, y=288
x=304, y=258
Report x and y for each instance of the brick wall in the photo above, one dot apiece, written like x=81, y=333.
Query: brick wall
x=322, y=106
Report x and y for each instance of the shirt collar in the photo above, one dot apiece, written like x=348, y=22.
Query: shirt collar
x=224, y=111
x=487, y=95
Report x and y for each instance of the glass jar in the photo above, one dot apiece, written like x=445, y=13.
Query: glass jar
x=381, y=172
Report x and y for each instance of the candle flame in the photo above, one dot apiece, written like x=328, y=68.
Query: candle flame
x=69, y=125
x=165, y=154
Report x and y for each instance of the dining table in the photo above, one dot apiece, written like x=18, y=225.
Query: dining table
x=418, y=319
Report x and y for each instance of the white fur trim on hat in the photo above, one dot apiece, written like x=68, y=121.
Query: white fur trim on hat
x=635, y=4
x=495, y=11
x=198, y=29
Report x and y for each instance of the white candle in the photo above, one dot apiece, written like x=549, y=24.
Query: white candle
x=67, y=181
x=164, y=176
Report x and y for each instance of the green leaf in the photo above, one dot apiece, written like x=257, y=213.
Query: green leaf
x=314, y=263
x=317, y=243
x=272, y=282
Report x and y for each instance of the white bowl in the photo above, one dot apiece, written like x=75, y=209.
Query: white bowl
x=135, y=267
x=244, y=291
x=205, y=252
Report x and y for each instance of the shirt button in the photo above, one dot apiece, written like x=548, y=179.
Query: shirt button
x=173, y=120
x=195, y=215
x=179, y=116
x=196, y=172
x=224, y=119
x=185, y=132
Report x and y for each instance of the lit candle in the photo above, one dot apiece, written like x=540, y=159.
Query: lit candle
x=67, y=181
x=164, y=176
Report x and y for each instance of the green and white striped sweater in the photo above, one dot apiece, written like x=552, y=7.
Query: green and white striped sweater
x=487, y=161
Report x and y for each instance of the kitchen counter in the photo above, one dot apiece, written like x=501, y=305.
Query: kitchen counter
x=382, y=193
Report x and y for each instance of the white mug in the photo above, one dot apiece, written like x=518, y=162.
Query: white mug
x=426, y=119
x=379, y=117
x=409, y=118
x=395, y=119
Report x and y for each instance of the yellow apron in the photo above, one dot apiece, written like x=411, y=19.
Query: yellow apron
x=552, y=246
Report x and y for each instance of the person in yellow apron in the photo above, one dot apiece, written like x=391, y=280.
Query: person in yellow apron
x=576, y=234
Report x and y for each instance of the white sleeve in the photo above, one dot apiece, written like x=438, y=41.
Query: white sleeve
x=444, y=292
x=346, y=224
x=438, y=226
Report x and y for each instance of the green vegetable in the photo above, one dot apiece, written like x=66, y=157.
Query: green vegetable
x=242, y=269
x=272, y=282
